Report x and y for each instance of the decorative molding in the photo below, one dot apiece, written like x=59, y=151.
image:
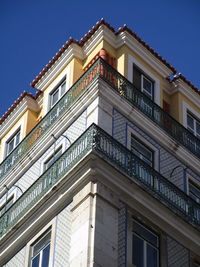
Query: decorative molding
x=73, y=51
x=11, y=120
x=132, y=61
x=186, y=108
x=148, y=126
x=142, y=52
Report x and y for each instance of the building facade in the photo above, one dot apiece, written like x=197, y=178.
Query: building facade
x=101, y=167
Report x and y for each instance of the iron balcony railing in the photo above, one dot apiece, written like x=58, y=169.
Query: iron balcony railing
x=51, y=117
x=154, y=112
x=126, y=89
x=97, y=140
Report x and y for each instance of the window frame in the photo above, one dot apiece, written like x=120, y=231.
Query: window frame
x=195, y=185
x=145, y=241
x=132, y=132
x=188, y=109
x=41, y=251
x=13, y=137
x=12, y=194
x=51, y=225
x=141, y=155
x=144, y=76
x=51, y=156
x=132, y=61
x=58, y=88
x=195, y=120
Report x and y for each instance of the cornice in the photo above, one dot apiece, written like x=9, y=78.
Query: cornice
x=142, y=52
x=72, y=51
x=11, y=120
x=149, y=127
x=103, y=33
x=185, y=89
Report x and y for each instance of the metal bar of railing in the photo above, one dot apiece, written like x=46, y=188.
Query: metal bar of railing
x=51, y=117
x=96, y=139
x=126, y=90
x=154, y=112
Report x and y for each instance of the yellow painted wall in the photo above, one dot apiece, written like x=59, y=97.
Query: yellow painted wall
x=175, y=106
x=68, y=70
x=77, y=69
x=7, y=135
x=122, y=61
x=182, y=99
x=102, y=44
x=31, y=121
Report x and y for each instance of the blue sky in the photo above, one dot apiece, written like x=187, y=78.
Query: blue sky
x=32, y=31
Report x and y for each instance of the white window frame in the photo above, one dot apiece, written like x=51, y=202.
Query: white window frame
x=59, y=149
x=132, y=132
x=51, y=225
x=194, y=131
x=13, y=136
x=58, y=89
x=147, y=224
x=142, y=86
x=193, y=181
x=188, y=109
x=132, y=61
x=145, y=242
x=12, y=193
x=59, y=143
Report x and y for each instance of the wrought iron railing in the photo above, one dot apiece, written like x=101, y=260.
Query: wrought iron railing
x=150, y=109
x=52, y=116
x=96, y=139
x=126, y=89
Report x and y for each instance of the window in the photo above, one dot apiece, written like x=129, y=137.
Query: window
x=53, y=158
x=57, y=93
x=40, y=251
x=12, y=142
x=6, y=205
x=145, y=246
x=142, y=151
x=143, y=83
x=193, y=124
x=194, y=192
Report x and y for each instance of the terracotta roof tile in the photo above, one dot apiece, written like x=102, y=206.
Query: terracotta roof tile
x=81, y=43
x=87, y=37
x=19, y=99
x=125, y=28
x=183, y=78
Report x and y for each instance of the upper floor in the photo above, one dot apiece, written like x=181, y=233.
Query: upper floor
x=112, y=79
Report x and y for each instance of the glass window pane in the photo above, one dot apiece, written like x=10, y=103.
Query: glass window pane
x=35, y=261
x=147, y=85
x=17, y=138
x=53, y=158
x=11, y=146
x=45, y=256
x=190, y=122
x=142, y=151
x=54, y=97
x=138, y=251
x=152, y=256
x=198, y=128
x=194, y=192
x=136, y=77
x=145, y=233
x=41, y=244
x=63, y=87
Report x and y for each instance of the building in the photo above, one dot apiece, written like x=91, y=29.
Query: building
x=101, y=167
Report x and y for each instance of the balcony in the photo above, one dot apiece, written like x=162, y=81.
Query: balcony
x=96, y=140
x=100, y=69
